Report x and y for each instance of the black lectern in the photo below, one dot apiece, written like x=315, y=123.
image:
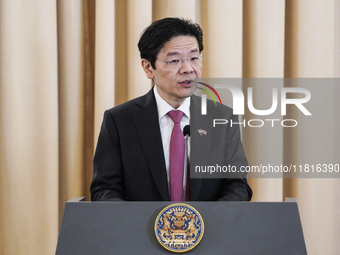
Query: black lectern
x=236, y=228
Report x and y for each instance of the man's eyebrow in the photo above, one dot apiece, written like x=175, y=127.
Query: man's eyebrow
x=173, y=53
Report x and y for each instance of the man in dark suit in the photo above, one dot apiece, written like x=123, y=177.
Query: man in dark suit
x=132, y=156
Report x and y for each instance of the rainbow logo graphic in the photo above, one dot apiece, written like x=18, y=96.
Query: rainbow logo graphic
x=208, y=92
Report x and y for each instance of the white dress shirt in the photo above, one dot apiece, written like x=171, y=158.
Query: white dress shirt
x=166, y=124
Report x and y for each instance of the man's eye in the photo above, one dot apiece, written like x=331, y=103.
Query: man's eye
x=173, y=61
x=194, y=59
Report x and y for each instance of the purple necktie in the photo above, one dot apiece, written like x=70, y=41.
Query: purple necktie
x=177, y=145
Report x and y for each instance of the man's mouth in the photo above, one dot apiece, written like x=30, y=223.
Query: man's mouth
x=186, y=83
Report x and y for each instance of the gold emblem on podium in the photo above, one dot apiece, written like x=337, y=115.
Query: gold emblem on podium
x=179, y=227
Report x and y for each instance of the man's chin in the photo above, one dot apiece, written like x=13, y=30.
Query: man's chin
x=187, y=92
x=186, y=95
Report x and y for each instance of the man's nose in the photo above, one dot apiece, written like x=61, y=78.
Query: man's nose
x=186, y=67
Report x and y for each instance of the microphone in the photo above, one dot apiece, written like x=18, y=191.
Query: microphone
x=186, y=133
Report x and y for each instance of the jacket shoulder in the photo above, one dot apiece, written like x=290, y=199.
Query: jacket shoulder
x=132, y=105
x=215, y=110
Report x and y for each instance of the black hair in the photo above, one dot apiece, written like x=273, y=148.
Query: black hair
x=161, y=31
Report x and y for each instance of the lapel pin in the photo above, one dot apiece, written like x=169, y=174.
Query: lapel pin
x=202, y=132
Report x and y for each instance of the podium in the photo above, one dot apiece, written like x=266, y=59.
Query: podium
x=235, y=228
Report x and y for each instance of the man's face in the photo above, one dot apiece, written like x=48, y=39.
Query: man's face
x=176, y=67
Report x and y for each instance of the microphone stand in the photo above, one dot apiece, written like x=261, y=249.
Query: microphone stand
x=186, y=132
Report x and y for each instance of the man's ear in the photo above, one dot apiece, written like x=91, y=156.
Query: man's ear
x=148, y=68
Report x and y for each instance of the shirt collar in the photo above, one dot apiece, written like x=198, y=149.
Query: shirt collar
x=163, y=107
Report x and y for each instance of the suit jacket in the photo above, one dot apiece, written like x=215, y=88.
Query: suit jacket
x=129, y=160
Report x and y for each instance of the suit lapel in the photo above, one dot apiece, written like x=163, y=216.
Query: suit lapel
x=199, y=143
x=147, y=126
